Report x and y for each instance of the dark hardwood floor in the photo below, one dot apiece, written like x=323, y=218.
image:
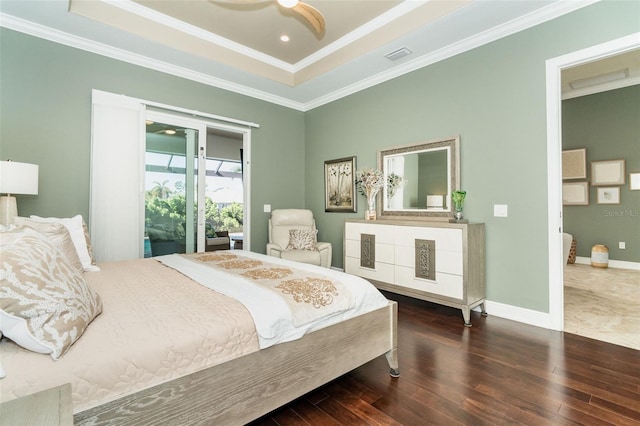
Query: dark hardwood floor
x=497, y=372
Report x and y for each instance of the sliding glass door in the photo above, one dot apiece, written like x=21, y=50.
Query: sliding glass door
x=174, y=184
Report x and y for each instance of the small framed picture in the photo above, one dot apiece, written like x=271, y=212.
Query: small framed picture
x=605, y=173
x=575, y=193
x=608, y=195
x=340, y=185
x=574, y=164
x=634, y=181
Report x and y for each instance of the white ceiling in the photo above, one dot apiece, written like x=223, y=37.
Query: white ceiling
x=236, y=46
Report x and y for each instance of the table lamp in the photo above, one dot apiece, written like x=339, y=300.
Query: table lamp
x=435, y=201
x=15, y=178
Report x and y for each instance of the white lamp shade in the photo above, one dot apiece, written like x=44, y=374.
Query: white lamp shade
x=435, y=201
x=18, y=178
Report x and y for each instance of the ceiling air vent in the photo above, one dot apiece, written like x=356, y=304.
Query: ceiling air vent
x=397, y=54
x=599, y=79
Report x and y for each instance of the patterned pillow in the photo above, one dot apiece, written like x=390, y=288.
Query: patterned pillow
x=45, y=304
x=302, y=239
x=58, y=235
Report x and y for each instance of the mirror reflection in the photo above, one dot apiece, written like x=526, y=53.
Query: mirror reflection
x=429, y=190
x=420, y=178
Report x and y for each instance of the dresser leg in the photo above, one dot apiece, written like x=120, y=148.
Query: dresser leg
x=466, y=314
x=484, y=312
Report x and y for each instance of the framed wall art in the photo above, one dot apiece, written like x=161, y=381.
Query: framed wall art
x=634, y=181
x=606, y=173
x=575, y=193
x=609, y=195
x=574, y=164
x=340, y=185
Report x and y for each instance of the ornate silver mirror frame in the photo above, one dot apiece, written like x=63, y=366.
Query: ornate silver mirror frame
x=420, y=179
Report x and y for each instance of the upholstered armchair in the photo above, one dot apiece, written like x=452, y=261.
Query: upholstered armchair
x=292, y=235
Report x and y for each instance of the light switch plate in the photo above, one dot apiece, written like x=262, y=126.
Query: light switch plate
x=500, y=210
x=267, y=208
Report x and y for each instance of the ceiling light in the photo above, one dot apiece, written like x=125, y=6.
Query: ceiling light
x=398, y=53
x=149, y=122
x=599, y=79
x=170, y=132
x=284, y=38
x=288, y=3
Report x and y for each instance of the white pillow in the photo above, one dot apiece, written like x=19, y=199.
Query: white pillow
x=74, y=225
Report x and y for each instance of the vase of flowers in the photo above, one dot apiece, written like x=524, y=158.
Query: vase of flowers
x=370, y=182
x=458, y=200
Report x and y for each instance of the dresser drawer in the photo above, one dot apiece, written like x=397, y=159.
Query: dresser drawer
x=383, y=233
x=382, y=272
x=444, y=285
x=446, y=239
x=449, y=262
x=384, y=252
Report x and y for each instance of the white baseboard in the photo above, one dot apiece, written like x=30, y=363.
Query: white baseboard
x=515, y=313
x=620, y=264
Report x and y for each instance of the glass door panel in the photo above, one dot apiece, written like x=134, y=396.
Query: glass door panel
x=172, y=191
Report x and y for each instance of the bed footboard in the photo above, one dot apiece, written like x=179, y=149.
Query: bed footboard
x=248, y=387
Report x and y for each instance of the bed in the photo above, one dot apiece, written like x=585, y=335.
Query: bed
x=166, y=349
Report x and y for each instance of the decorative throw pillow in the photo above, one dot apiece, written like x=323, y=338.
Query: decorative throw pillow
x=59, y=236
x=45, y=303
x=302, y=239
x=74, y=225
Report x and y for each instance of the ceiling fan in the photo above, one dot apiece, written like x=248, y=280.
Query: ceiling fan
x=308, y=12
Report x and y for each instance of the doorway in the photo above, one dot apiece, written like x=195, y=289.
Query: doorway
x=554, y=69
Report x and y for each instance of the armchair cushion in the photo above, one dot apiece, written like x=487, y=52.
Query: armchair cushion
x=304, y=256
x=301, y=239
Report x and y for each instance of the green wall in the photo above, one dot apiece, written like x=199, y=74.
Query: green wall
x=608, y=126
x=494, y=98
x=46, y=119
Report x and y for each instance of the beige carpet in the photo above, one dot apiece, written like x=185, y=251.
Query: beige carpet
x=603, y=304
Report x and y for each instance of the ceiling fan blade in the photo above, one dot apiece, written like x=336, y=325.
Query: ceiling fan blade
x=311, y=14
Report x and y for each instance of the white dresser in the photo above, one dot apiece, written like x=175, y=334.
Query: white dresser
x=440, y=262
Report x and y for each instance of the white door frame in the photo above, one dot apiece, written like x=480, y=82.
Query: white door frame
x=554, y=160
x=246, y=176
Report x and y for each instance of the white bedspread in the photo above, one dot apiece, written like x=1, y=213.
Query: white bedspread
x=274, y=319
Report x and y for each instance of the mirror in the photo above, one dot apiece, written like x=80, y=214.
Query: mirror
x=420, y=178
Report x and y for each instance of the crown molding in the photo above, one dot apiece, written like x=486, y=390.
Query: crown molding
x=60, y=37
x=547, y=13
x=554, y=10
x=360, y=32
x=192, y=30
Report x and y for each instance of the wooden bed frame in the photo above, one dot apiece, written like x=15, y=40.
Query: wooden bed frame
x=251, y=386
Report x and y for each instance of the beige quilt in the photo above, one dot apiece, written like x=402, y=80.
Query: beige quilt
x=156, y=325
